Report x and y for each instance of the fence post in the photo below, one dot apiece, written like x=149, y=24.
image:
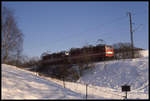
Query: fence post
x=64, y=82
x=126, y=95
x=86, y=91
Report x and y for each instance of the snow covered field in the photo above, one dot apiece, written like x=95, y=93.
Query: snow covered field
x=104, y=82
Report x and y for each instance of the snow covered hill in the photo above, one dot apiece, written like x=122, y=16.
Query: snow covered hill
x=22, y=84
x=114, y=74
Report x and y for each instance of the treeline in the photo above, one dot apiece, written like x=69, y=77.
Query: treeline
x=124, y=51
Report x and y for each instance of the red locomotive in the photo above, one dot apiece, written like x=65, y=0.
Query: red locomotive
x=95, y=53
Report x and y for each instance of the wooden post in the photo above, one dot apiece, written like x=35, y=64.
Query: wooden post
x=126, y=95
x=64, y=82
x=86, y=91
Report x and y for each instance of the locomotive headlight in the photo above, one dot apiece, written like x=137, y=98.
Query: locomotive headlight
x=109, y=52
x=66, y=53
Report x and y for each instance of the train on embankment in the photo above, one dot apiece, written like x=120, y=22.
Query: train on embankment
x=77, y=55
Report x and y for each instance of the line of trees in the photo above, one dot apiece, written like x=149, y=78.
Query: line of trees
x=124, y=51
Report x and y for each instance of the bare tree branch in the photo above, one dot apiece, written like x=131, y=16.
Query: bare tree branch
x=12, y=38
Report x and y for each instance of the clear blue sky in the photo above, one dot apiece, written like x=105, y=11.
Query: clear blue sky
x=57, y=26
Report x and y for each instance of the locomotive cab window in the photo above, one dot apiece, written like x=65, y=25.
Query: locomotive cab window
x=108, y=48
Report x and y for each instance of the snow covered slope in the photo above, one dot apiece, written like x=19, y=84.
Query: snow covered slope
x=21, y=84
x=114, y=74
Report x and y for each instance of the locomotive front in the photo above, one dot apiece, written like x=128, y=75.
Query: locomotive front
x=109, y=52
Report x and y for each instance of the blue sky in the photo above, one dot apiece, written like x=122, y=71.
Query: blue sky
x=57, y=26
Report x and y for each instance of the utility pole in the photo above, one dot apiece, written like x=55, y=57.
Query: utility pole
x=132, y=47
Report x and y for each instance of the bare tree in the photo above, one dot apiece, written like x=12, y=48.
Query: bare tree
x=12, y=38
x=100, y=42
x=123, y=50
x=85, y=61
